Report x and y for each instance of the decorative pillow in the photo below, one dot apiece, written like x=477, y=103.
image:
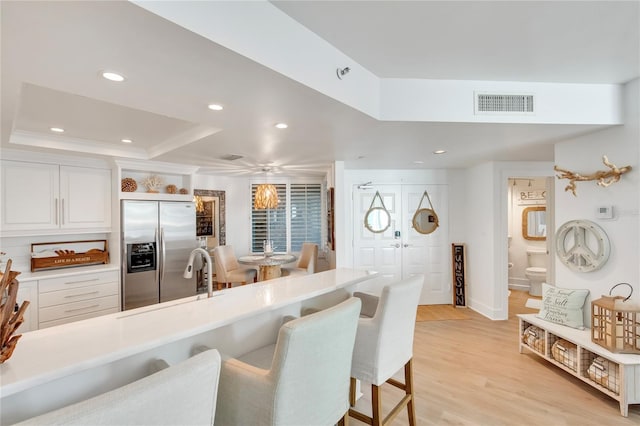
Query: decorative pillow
x=563, y=305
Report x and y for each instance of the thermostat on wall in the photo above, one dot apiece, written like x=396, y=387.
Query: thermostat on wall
x=604, y=212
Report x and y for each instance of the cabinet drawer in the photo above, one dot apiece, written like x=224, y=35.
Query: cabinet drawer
x=67, y=310
x=75, y=281
x=78, y=294
x=77, y=318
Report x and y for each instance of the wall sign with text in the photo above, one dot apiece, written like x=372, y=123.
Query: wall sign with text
x=459, y=277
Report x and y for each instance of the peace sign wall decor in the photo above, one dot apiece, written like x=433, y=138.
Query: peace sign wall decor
x=582, y=245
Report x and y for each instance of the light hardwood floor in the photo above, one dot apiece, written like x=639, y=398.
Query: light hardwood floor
x=469, y=372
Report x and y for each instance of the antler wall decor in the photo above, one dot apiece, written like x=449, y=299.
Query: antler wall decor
x=604, y=177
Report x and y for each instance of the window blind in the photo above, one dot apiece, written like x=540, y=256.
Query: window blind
x=300, y=205
x=306, y=214
x=269, y=223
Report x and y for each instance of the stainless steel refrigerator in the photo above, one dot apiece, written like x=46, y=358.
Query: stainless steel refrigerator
x=157, y=238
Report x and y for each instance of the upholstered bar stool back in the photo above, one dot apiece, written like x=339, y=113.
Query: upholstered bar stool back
x=182, y=394
x=302, y=379
x=384, y=345
x=228, y=270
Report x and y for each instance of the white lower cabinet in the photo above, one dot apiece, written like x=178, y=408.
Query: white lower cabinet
x=616, y=375
x=28, y=290
x=72, y=298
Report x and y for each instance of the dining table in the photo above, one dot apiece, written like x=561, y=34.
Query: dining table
x=268, y=266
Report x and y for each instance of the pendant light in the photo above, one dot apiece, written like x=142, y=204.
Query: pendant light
x=266, y=196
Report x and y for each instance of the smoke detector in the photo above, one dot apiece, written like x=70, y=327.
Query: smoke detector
x=231, y=157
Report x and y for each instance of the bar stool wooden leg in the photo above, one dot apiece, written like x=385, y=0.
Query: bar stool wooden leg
x=376, y=406
x=344, y=420
x=352, y=392
x=408, y=380
x=376, y=400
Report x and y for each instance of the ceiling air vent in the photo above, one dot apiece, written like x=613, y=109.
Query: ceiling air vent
x=231, y=157
x=495, y=103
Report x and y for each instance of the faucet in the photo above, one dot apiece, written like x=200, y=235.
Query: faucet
x=188, y=272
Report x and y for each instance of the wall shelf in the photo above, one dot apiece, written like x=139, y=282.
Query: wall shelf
x=179, y=175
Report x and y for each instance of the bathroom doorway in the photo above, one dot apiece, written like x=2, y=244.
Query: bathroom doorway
x=530, y=234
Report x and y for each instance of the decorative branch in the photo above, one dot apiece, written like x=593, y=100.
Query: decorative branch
x=604, y=177
x=10, y=320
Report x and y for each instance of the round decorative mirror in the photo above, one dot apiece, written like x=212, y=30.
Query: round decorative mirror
x=425, y=221
x=377, y=220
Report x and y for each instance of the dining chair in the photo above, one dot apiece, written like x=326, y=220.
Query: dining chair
x=307, y=263
x=212, y=242
x=228, y=270
x=301, y=379
x=184, y=393
x=384, y=345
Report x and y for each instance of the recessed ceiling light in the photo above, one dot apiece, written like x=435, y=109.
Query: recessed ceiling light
x=282, y=125
x=126, y=140
x=57, y=129
x=439, y=151
x=418, y=162
x=216, y=107
x=112, y=76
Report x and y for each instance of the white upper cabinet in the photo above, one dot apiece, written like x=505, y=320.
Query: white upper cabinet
x=85, y=196
x=41, y=198
x=29, y=196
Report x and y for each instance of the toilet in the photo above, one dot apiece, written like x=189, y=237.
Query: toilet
x=536, y=270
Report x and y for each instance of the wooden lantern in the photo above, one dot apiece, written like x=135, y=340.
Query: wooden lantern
x=615, y=323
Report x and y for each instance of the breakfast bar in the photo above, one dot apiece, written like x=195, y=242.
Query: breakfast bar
x=54, y=367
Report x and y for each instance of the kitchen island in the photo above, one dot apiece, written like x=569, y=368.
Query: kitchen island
x=54, y=367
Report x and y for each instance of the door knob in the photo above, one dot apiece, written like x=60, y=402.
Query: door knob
x=406, y=245
x=396, y=245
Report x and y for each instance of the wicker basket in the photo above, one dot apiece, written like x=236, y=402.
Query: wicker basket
x=534, y=337
x=565, y=353
x=605, y=373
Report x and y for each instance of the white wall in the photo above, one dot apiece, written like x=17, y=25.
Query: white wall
x=480, y=213
x=486, y=215
x=237, y=206
x=453, y=101
x=584, y=155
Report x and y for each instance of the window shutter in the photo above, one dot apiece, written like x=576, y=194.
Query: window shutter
x=306, y=214
x=305, y=218
x=269, y=223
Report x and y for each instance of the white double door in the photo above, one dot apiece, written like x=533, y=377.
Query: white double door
x=400, y=251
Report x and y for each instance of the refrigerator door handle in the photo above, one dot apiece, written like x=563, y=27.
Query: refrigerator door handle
x=124, y=257
x=163, y=254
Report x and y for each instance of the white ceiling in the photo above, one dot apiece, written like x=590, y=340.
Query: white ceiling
x=52, y=53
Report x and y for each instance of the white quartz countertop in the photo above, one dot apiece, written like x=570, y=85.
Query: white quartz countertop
x=48, y=354
x=64, y=272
